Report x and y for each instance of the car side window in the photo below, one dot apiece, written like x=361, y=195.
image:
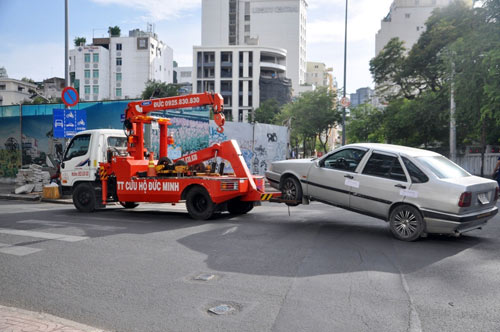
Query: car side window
x=346, y=160
x=78, y=147
x=416, y=175
x=384, y=166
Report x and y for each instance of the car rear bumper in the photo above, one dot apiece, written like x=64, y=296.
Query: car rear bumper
x=273, y=179
x=438, y=222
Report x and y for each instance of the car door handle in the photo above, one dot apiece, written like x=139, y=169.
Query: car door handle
x=349, y=176
x=62, y=165
x=400, y=186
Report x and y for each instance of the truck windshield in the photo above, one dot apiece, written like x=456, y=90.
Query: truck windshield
x=442, y=167
x=119, y=142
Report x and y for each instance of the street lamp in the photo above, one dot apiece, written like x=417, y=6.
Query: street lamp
x=345, y=60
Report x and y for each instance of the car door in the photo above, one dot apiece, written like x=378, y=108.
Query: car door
x=330, y=179
x=380, y=184
x=76, y=161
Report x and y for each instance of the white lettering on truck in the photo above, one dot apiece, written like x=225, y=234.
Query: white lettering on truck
x=147, y=186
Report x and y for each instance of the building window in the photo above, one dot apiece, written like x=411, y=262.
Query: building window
x=96, y=57
x=95, y=89
x=2, y=86
x=247, y=28
x=142, y=43
x=118, y=92
x=407, y=15
x=118, y=76
x=95, y=73
x=118, y=47
x=20, y=89
x=118, y=61
x=87, y=57
x=87, y=73
x=87, y=89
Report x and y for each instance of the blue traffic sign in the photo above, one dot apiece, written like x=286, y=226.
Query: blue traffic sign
x=68, y=122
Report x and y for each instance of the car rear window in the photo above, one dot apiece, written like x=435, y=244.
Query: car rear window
x=442, y=167
x=416, y=175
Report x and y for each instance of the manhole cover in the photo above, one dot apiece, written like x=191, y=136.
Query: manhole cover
x=204, y=277
x=221, y=309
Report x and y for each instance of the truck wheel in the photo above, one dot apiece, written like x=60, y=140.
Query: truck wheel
x=236, y=206
x=199, y=204
x=291, y=191
x=129, y=205
x=84, y=197
x=406, y=223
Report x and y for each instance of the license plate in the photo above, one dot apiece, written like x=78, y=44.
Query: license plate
x=483, y=198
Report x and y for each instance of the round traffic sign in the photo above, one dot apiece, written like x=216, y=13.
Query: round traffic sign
x=69, y=96
x=345, y=102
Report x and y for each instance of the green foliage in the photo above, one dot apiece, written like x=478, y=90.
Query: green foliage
x=114, y=31
x=365, y=125
x=311, y=116
x=28, y=80
x=267, y=112
x=80, y=40
x=156, y=89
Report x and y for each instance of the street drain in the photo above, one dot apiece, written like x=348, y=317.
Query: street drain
x=222, y=309
x=204, y=277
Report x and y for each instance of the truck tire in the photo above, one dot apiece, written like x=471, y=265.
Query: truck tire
x=291, y=190
x=236, y=206
x=199, y=204
x=84, y=197
x=129, y=205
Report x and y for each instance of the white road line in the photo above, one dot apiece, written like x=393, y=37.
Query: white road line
x=230, y=230
x=43, y=235
x=17, y=250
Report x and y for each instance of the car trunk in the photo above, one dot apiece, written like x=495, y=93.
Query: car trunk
x=482, y=192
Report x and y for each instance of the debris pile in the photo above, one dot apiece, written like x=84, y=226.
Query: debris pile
x=33, y=175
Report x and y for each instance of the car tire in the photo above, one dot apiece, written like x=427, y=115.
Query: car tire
x=84, y=197
x=237, y=207
x=291, y=190
x=406, y=223
x=129, y=205
x=199, y=204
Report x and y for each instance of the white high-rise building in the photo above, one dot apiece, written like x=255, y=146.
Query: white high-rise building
x=120, y=67
x=277, y=23
x=406, y=20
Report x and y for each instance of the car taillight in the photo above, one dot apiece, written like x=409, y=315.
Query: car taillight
x=465, y=199
x=496, y=194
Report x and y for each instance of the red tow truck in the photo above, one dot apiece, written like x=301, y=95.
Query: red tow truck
x=130, y=175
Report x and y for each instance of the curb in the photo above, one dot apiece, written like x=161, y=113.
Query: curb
x=20, y=197
x=14, y=319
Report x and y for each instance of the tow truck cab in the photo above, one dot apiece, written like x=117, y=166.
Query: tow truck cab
x=84, y=153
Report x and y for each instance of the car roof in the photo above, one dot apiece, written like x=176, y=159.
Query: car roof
x=118, y=132
x=403, y=150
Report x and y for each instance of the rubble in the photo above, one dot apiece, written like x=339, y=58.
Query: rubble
x=33, y=174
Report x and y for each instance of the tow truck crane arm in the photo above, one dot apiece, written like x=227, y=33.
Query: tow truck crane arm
x=136, y=115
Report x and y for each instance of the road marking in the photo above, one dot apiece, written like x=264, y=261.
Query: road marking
x=43, y=235
x=17, y=250
x=230, y=230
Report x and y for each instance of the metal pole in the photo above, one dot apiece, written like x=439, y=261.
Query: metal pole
x=453, y=126
x=345, y=66
x=66, y=44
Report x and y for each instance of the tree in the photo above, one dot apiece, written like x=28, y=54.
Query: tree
x=157, y=89
x=79, y=41
x=114, y=31
x=365, y=124
x=311, y=116
x=267, y=111
x=28, y=80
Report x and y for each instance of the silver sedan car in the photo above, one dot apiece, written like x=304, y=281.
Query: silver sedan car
x=416, y=191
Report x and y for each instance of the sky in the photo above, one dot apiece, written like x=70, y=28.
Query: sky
x=32, y=32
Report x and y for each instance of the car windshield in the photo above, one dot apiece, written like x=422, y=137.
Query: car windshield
x=442, y=167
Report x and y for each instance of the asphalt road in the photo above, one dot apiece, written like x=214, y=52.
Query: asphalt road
x=319, y=269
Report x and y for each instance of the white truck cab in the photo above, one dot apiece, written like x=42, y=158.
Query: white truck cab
x=84, y=153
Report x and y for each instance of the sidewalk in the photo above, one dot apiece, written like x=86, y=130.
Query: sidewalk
x=18, y=320
x=7, y=192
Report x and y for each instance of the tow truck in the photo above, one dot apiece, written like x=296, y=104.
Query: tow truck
x=128, y=173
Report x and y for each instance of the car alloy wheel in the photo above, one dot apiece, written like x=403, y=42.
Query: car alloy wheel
x=291, y=191
x=406, y=223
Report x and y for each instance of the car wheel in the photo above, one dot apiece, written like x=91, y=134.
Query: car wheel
x=84, y=197
x=129, y=205
x=291, y=191
x=236, y=206
x=199, y=204
x=406, y=223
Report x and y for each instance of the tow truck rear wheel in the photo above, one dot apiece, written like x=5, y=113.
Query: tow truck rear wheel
x=84, y=197
x=199, y=204
x=129, y=205
x=236, y=206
